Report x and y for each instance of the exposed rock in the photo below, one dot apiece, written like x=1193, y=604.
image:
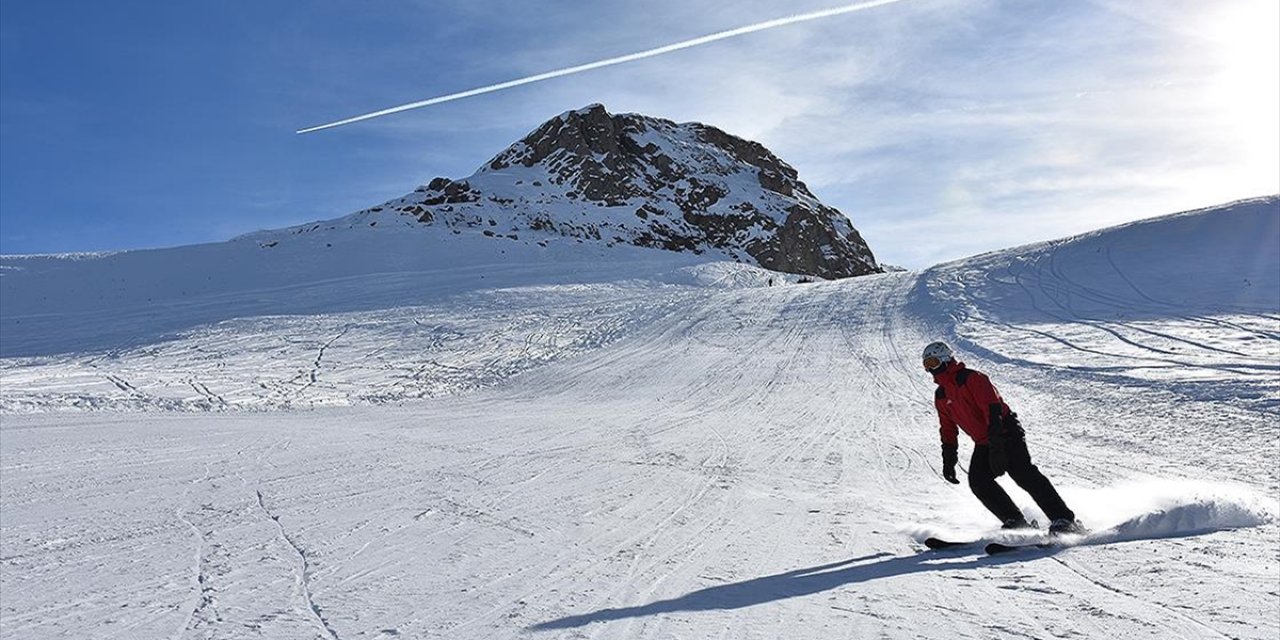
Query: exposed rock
x=589, y=174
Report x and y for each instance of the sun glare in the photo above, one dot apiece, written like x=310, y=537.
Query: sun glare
x=1246, y=90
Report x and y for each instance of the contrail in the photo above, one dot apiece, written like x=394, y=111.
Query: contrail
x=640, y=55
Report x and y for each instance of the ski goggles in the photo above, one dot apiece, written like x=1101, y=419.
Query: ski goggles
x=932, y=362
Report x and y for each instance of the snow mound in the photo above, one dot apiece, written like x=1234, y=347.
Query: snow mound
x=1171, y=508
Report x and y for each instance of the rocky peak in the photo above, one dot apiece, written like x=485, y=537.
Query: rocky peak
x=587, y=132
x=630, y=178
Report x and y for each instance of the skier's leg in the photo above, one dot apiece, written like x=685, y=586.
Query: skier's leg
x=983, y=484
x=1027, y=476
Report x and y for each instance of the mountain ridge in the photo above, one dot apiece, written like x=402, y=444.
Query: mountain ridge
x=633, y=179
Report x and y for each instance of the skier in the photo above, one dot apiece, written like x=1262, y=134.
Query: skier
x=966, y=399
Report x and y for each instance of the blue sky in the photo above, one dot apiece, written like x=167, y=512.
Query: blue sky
x=943, y=128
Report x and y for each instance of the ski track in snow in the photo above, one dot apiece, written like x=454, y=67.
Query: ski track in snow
x=644, y=459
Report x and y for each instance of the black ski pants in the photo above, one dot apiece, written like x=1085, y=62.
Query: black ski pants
x=1024, y=474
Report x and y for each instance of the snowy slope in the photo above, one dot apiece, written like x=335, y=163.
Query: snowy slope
x=333, y=316
x=688, y=453
x=96, y=302
x=1175, y=303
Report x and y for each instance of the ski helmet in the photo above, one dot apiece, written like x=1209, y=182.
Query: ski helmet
x=936, y=354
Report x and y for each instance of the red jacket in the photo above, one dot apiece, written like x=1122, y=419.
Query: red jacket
x=967, y=404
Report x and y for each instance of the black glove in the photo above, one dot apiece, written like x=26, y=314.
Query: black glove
x=996, y=456
x=950, y=454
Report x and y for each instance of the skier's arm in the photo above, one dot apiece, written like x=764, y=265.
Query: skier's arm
x=949, y=432
x=947, y=427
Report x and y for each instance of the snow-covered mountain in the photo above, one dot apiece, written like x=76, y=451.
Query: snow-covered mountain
x=539, y=442
x=648, y=182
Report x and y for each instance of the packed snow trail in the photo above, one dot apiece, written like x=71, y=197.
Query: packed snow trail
x=740, y=468
x=749, y=462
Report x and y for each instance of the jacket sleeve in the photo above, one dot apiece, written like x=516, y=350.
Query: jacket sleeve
x=948, y=428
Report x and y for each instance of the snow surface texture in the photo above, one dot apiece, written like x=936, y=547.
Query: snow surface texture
x=537, y=442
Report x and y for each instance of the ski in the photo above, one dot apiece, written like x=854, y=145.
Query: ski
x=938, y=543
x=1055, y=540
x=997, y=548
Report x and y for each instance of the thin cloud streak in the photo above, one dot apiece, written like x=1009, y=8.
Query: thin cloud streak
x=648, y=53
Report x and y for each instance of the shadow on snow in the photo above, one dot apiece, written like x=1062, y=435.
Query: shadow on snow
x=792, y=584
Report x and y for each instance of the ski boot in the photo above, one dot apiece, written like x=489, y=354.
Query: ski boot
x=1062, y=526
x=1018, y=523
